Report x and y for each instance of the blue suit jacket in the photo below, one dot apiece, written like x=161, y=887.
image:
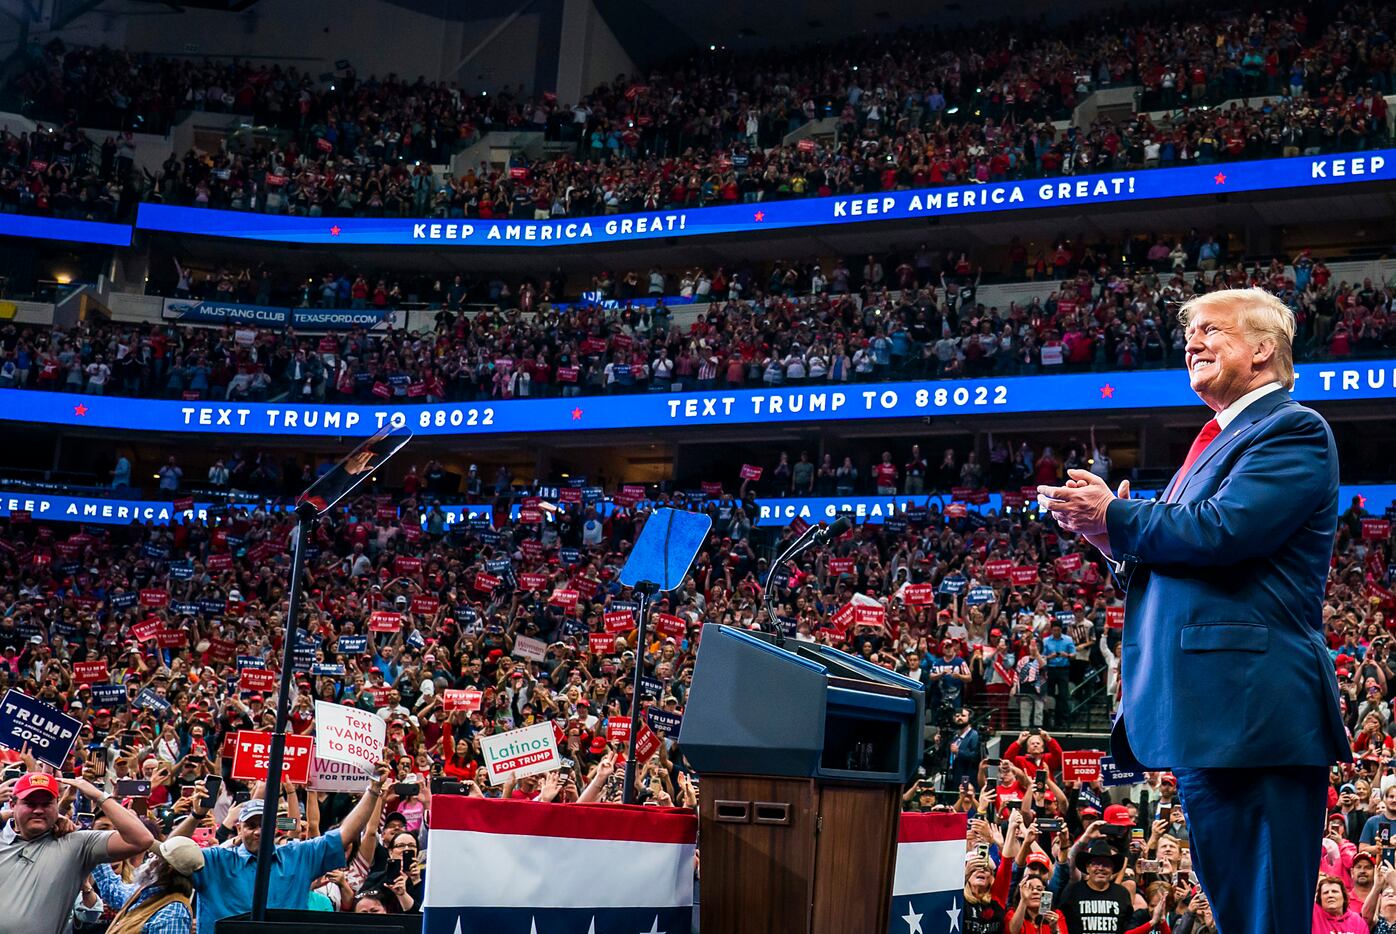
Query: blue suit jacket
x=1224, y=663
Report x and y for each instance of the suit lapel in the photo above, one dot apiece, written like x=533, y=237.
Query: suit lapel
x=1253, y=414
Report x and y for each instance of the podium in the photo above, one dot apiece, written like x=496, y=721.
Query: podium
x=802, y=754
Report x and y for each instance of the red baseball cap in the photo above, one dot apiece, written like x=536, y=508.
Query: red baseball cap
x=1118, y=815
x=598, y=746
x=1040, y=859
x=37, y=781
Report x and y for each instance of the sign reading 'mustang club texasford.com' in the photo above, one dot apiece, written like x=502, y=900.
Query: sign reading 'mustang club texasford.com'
x=1081, y=190
x=1096, y=393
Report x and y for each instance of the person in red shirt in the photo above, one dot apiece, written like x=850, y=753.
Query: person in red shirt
x=885, y=475
x=1034, y=748
x=462, y=759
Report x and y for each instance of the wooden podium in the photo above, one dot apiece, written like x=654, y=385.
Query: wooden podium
x=802, y=755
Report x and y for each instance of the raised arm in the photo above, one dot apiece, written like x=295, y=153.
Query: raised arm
x=129, y=835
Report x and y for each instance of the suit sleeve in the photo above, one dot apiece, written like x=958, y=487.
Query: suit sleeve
x=1275, y=485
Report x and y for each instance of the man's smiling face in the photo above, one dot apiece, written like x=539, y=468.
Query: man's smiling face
x=1222, y=359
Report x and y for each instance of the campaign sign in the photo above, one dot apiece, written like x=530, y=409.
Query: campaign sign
x=327, y=670
x=918, y=594
x=152, y=701
x=330, y=776
x=864, y=615
x=221, y=650
x=384, y=621
x=952, y=585
x=997, y=570
x=171, y=638
x=1081, y=765
x=1115, y=617
x=530, y=648
x=601, y=643
x=109, y=695
x=250, y=661
x=90, y=672
x=749, y=472
x=619, y=621
x=49, y=732
x=352, y=645
x=154, y=597
x=662, y=721
x=252, y=757
x=257, y=679
x=1023, y=575
x=567, y=599
x=618, y=730
x=1068, y=563
x=520, y=753
x=533, y=581
x=667, y=624
x=646, y=744
x=145, y=630
x=467, y=699
x=977, y=596
x=348, y=734
x=1111, y=775
x=1373, y=529
x=486, y=583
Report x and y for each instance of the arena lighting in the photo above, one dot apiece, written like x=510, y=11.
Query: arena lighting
x=953, y=110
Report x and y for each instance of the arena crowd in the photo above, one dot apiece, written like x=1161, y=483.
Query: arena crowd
x=911, y=110
x=175, y=613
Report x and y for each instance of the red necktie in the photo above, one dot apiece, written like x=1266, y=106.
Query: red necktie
x=1199, y=444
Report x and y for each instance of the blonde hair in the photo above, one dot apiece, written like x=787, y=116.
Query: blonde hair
x=1261, y=314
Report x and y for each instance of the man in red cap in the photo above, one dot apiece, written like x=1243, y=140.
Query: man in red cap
x=43, y=860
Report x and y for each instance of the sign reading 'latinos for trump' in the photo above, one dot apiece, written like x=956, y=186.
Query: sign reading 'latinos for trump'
x=520, y=753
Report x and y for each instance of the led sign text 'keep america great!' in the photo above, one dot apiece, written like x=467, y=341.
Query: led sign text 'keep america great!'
x=1194, y=180
x=1067, y=392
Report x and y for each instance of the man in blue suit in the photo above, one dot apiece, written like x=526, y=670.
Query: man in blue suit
x=1226, y=678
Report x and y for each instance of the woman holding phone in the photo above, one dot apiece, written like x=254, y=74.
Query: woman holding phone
x=1033, y=914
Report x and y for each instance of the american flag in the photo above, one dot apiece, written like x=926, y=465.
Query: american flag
x=928, y=888
x=520, y=867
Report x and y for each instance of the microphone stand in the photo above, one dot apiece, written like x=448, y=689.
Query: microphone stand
x=266, y=853
x=645, y=592
x=794, y=550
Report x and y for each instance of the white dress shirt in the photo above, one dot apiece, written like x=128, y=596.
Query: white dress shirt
x=1228, y=414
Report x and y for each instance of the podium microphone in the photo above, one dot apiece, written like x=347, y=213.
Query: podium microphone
x=819, y=536
x=827, y=533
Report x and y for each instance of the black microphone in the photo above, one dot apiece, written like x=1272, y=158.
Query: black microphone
x=828, y=533
x=821, y=536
